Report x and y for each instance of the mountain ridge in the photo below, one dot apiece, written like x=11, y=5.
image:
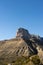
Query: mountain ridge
x=24, y=44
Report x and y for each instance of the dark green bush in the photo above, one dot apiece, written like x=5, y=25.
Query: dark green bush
x=35, y=60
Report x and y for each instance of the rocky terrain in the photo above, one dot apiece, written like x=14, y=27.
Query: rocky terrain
x=23, y=45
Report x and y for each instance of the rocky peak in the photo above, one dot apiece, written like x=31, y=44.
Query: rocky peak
x=23, y=33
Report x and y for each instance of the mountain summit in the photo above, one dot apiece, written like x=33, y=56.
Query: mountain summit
x=23, y=33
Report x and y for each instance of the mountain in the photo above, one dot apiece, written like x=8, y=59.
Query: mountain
x=23, y=45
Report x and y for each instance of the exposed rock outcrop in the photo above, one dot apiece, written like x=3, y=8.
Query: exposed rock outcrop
x=23, y=33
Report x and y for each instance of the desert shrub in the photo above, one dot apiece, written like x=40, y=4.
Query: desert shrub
x=21, y=61
x=35, y=60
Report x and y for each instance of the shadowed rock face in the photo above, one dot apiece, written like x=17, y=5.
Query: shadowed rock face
x=23, y=33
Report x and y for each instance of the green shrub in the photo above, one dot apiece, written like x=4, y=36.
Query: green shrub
x=35, y=60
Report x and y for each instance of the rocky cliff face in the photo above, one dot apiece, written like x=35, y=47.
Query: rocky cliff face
x=24, y=44
x=23, y=33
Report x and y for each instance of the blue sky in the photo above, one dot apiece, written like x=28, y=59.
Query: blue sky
x=20, y=13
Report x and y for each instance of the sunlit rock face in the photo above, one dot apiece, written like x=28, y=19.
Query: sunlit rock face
x=23, y=33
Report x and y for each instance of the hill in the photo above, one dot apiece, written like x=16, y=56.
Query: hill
x=24, y=45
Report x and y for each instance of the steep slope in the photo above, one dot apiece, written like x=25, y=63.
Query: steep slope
x=13, y=47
